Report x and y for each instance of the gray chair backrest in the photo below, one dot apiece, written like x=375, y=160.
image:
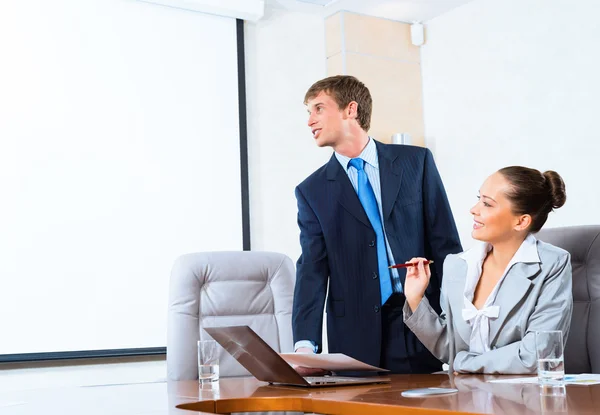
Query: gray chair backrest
x=582, y=353
x=213, y=289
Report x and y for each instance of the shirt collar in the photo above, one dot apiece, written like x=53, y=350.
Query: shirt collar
x=526, y=253
x=369, y=155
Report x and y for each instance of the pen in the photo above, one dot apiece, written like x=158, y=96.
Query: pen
x=409, y=265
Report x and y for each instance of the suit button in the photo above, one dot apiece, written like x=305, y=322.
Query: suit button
x=374, y=275
x=372, y=244
x=376, y=308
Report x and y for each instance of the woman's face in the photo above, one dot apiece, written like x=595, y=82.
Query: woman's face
x=494, y=220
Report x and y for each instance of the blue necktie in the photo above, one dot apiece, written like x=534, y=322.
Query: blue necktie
x=366, y=195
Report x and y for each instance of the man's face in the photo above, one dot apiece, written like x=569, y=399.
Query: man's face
x=327, y=122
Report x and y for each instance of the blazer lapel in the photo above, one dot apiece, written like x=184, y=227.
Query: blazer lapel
x=390, y=177
x=455, y=287
x=348, y=198
x=515, y=286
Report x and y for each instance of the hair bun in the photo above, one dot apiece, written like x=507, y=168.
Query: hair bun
x=556, y=186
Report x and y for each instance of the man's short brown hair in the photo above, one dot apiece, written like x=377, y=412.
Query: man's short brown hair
x=344, y=89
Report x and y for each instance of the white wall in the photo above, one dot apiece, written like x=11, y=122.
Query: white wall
x=515, y=82
x=285, y=55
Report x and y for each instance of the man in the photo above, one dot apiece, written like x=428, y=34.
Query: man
x=372, y=205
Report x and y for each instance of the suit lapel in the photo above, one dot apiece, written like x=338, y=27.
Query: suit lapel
x=340, y=184
x=515, y=286
x=390, y=177
x=455, y=287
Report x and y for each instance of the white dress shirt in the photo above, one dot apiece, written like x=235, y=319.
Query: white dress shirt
x=479, y=320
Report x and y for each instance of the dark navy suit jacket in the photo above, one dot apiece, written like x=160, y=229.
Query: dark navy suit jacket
x=338, y=247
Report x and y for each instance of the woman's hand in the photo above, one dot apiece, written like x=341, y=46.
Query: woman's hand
x=417, y=280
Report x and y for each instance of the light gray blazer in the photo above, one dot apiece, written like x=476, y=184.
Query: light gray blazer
x=532, y=296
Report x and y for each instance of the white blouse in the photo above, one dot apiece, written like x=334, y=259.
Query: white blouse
x=479, y=320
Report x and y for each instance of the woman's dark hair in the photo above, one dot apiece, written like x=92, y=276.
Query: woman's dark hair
x=534, y=193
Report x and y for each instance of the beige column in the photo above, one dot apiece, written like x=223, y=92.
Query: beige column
x=379, y=53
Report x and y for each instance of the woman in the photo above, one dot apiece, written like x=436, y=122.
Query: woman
x=498, y=293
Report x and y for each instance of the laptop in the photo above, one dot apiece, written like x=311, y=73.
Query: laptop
x=266, y=365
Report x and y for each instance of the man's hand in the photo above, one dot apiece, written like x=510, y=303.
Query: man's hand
x=309, y=371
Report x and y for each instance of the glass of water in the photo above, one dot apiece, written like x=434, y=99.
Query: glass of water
x=208, y=361
x=549, y=348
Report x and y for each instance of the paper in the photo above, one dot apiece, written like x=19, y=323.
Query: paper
x=334, y=361
x=7, y=404
x=582, y=379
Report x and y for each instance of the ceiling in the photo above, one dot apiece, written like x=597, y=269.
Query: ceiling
x=401, y=10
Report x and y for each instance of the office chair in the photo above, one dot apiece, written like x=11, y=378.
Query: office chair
x=582, y=352
x=211, y=289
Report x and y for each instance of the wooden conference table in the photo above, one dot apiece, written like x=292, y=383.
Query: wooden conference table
x=475, y=396
x=232, y=395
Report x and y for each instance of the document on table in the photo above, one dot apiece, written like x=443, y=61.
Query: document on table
x=582, y=379
x=6, y=404
x=333, y=361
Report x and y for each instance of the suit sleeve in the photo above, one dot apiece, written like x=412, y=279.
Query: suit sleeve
x=440, y=229
x=552, y=312
x=312, y=273
x=429, y=327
